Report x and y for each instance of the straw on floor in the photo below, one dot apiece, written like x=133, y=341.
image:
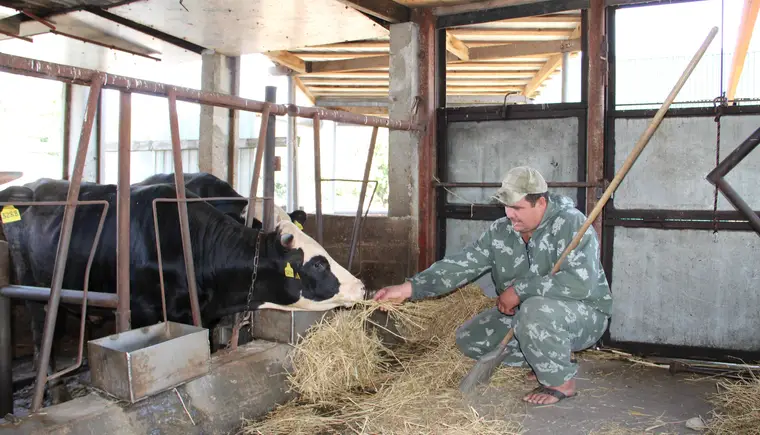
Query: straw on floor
x=349, y=381
x=737, y=407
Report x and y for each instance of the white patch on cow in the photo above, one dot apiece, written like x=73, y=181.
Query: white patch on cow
x=258, y=212
x=351, y=289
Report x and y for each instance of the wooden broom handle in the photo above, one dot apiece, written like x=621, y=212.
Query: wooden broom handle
x=643, y=141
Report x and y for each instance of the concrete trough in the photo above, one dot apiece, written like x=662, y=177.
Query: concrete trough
x=245, y=383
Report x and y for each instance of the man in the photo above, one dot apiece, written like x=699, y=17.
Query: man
x=552, y=315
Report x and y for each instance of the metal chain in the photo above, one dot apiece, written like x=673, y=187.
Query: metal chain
x=719, y=104
x=248, y=313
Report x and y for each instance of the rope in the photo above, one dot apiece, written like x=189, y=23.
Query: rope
x=472, y=204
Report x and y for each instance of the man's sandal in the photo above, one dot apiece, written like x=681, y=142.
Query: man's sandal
x=559, y=395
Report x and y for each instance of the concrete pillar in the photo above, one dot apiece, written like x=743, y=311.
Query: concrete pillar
x=565, y=75
x=219, y=74
x=403, y=145
x=403, y=151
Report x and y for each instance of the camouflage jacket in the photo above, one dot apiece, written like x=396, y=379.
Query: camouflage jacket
x=527, y=266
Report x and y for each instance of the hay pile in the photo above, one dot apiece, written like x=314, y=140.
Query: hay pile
x=738, y=407
x=349, y=381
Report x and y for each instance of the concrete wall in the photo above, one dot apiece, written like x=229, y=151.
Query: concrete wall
x=383, y=254
x=686, y=288
x=485, y=151
x=459, y=234
x=670, y=172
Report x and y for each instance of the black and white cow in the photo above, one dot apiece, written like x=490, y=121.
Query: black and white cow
x=207, y=185
x=294, y=272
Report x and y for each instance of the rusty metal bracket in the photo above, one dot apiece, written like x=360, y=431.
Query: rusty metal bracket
x=717, y=178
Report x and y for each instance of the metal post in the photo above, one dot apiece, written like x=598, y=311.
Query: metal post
x=292, y=158
x=123, y=313
x=565, y=75
x=257, y=166
x=362, y=193
x=184, y=224
x=6, y=358
x=62, y=253
x=269, y=157
x=318, y=180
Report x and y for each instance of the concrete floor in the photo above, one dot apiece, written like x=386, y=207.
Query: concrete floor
x=615, y=397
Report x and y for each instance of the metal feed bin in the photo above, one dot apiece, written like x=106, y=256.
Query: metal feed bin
x=139, y=363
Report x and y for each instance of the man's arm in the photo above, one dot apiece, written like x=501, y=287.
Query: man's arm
x=454, y=271
x=578, y=272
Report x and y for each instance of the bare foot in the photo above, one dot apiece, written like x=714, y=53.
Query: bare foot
x=547, y=395
x=531, y=376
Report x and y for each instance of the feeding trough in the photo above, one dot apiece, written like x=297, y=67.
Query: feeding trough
x=139, y=363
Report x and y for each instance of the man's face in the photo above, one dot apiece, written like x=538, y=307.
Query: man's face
x=524, y=216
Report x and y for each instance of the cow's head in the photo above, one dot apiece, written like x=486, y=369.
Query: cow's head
x=320, y=281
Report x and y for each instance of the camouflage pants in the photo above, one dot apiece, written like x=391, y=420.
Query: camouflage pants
x=546, y=332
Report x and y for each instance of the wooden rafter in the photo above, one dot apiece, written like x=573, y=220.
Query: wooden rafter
x=288, y=59
x=304, y=89
x=387, y=10
x=547, y=70
x=747, y=24
x=457, y=47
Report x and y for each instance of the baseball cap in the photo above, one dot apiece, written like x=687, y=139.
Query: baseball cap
x=518, y=182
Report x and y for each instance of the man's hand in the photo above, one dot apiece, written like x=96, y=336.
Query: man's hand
x=508, y=301
x=395, y=293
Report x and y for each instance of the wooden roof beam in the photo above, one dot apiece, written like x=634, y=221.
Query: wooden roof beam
x=457, y=47
x=516, y=49
x=386, y=10
x=747, y=24
x=305, y=90
x=374, y=62
x=549, y=68
x=287, y=59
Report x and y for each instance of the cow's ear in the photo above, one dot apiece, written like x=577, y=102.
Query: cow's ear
x=287, y=240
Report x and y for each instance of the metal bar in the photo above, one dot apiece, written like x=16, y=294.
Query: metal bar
x=555, y=184
x=184, y=224
x=362, y=193
x=736, y=200
x=662, y=215
x=268, y=211
x=62, y=253
x=735, y=157
x=597, y=55
x=99, y=143
x=502, y=13
x=6, y=357
x=123, y=314
x=234, y=120
x=318, y=180
x=70, y=74
x=292, y=159
x=160, y=261
x=179, y=42
x=95, y=299
x=67, y=98
x=23, y=38
x=257, y=166
x=42, y=21
x=88, y=268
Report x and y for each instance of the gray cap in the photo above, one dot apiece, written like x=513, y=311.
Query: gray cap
x=518, y=182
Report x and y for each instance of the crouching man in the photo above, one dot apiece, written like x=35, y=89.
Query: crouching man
x=552, y=315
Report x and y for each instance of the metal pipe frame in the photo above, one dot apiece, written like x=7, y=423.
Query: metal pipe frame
x=716, y=177
x=157, y=232
x=257, y=165
x=355, y=237
x=362, y=193
x=41, y=294
x=318, y=181
x=62, y=253
x=6, y=357
x=269, y=162
x=123, y=313
x=554, y=184
x=184, y=224
x=84, y=76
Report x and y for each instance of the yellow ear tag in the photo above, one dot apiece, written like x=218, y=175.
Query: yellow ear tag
x=10, y=214
x=288, y=270
x=298, y=224
x=298, y=276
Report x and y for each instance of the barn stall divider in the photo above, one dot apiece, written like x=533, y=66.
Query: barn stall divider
x=97, y=81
